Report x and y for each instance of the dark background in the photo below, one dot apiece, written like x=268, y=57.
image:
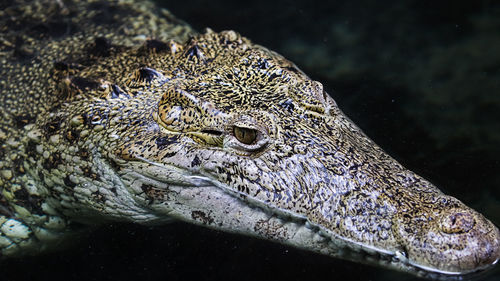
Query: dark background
x=421, y=78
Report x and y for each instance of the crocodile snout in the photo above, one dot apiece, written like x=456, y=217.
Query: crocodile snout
x=480, y=239
x=456, y=240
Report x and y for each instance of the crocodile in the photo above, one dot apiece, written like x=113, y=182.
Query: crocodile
x=118, y=111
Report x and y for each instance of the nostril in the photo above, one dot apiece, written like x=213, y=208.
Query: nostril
x=457, y=222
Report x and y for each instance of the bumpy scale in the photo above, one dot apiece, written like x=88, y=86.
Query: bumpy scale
x=113, y=112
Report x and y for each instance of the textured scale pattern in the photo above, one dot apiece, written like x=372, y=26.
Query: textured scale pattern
x=129, y=115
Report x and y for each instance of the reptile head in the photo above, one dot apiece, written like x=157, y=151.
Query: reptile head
x=222, y=132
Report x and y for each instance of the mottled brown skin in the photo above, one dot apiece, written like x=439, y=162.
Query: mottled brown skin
x=139, y=119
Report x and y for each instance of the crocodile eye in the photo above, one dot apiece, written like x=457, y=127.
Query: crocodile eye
x=245, y=135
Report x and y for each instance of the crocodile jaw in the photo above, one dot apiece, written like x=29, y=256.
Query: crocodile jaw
x=212, y=206
x=195, y=198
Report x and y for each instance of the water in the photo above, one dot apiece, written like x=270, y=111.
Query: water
x=421, y=78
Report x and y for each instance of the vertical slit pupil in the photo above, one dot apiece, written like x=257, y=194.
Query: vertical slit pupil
x=245, y=135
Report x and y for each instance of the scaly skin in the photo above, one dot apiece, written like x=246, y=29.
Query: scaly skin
x=129, y=115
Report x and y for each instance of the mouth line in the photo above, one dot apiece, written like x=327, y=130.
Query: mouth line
x=351, y=250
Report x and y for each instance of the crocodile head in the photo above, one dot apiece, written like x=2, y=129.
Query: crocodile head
x=222, y=132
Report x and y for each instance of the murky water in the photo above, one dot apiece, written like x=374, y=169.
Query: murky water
x=421, y=78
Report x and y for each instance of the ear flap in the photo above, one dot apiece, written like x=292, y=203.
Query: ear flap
x=179, y=111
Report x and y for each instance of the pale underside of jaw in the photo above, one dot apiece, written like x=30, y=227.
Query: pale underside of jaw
x=236, y=212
